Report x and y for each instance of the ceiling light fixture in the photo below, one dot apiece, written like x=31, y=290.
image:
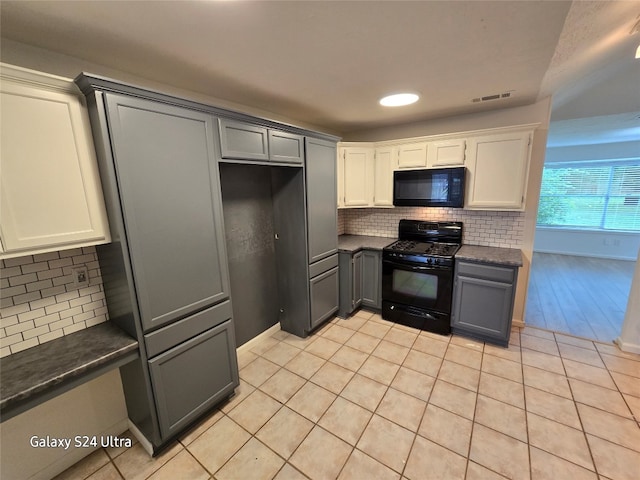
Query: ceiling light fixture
x=399, y=99
x=638, y=52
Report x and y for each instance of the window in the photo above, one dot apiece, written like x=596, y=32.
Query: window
x=594, y=195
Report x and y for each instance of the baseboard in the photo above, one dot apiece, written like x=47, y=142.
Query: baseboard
x=586, y=255
x=517, y=323
x=146, y=444
x=255, y=340
x=626, y=346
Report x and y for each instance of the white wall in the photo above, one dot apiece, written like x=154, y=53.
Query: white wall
x=587, y=243
x=629, y=339
x=602, y=151
x=94, y=408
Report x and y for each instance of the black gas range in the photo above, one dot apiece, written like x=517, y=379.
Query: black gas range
x=417, y=274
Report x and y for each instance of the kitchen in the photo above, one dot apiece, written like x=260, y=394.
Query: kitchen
x=479, y=226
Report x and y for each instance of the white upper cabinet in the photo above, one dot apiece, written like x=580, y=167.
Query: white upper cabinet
x=446, y=153
x=50, y=193
x=498, y=167
x=384, y=165
x=412, y=155
x=356, y=169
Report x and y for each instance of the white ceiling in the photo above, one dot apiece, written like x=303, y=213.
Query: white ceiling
x=327, y=63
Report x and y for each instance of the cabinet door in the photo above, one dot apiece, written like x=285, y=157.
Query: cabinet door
x=243, y=141
x=483, y=307
x=192, y=377
x=324, y=296
x=50, y=193
x=446, y=153
x=322, y=217
x=412, y=155
x=383, y=177
x=356, y=278
x=371, y=281
x=171, y=202
x=498, y=166
x=286, y=147
x=358, y=176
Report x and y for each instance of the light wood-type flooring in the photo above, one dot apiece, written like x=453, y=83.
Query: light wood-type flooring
x=582, y=296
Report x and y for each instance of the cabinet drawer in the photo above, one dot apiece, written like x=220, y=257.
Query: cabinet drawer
x=243, y=141
x=192, y=377
x=322, y=266
x=176, y=333
x=324, y=296
x=490, y=272
x=286, y=147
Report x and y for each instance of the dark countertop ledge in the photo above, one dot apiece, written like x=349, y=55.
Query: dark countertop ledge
x=37, y=374
x=495, y=255
x=353, y=243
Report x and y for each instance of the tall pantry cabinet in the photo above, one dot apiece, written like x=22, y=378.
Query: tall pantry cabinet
x=165, y=273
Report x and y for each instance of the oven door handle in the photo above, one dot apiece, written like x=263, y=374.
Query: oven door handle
x=405, y=266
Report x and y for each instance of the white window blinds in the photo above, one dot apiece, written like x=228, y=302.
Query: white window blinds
x=594, y=196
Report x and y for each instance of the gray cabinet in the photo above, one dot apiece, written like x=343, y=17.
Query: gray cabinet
x=245, y=141
x=324, y=296
x=165, y=273
x=322, y=215
x=322, y=229
x=239, y=140
x=286, y=147
x=483, y=298
x=350, y=282
x=371, y=279
x=192, y=377
x=169, y=189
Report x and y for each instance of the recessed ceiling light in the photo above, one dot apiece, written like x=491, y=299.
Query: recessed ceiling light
x=399, y=99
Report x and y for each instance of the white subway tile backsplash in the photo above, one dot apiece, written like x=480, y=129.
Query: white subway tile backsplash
x=35, y=332
x=47, y=319
x=75, y=327
x=12, y=291
x=10, y=340
x=11, y=272
x=19, y=327
x=50, y=336
x=39, y=303
x=72, y=311
x=8, y=321
x=14, y=262
x=490, y=228
x=31, y=314
x=18, y=347
x=23, y=279
x=26, y=297
x=70, y=253
x=10, y=311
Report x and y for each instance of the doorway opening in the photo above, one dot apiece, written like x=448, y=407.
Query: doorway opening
x=586, y=243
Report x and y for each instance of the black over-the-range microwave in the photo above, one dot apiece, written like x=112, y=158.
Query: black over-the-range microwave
x=435, y=187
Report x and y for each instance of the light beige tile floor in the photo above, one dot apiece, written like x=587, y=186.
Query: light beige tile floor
x=367, y=399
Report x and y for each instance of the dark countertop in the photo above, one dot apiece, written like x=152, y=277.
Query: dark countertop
x=496, y=255
x=353, y=243
x=37, y=371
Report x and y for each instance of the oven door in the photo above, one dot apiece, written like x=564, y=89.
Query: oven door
x=420, y=286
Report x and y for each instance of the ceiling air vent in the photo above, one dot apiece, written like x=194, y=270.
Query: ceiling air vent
x=488, y=98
